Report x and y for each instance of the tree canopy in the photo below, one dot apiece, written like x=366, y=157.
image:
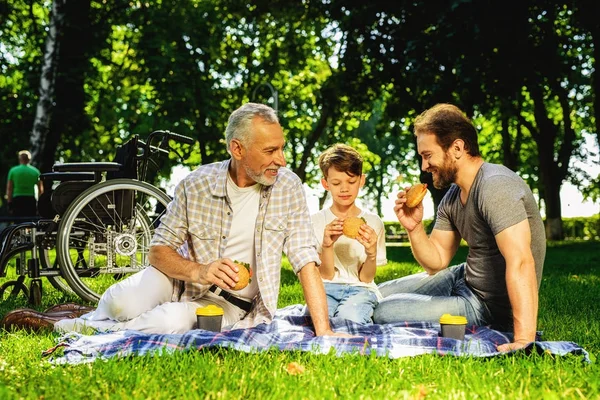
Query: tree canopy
x=81, y=77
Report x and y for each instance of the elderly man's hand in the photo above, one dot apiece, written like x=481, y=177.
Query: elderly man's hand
x=519, y=344
x=329, y=332
x=222, y=272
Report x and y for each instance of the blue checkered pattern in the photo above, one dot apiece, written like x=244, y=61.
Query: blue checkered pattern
x=291, y=331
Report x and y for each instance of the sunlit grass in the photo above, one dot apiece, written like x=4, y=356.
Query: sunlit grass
x=569, y=309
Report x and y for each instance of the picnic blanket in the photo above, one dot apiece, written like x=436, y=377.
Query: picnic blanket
x=292, y=331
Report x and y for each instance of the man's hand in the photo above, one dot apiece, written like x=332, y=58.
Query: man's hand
x=222, y=272
x=329, y=332
x=333, y=231
x=409, y=218
x=519, y=344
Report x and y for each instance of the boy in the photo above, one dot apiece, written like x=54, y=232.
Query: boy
x=348, y=265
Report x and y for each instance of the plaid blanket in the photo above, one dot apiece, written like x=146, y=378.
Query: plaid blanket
x=292, y=331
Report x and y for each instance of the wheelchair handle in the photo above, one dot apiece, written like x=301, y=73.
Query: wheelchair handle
x=181, y=138
x=142, y=145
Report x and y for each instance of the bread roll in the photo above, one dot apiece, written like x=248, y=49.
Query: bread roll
x=351, y=226
x=415, y=194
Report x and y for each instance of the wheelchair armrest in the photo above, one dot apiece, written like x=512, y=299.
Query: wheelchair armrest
x=96, y=167
x=67, y=176
x=86, y=167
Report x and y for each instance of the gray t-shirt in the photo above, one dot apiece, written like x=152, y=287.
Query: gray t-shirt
x=498, y=199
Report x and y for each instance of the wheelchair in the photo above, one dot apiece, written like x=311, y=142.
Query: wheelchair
x=95, y=225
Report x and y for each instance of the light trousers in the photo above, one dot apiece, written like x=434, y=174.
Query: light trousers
x=143, y=302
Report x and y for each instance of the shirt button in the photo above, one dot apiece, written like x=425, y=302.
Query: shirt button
x=228, y=212
x=280, y=226
x=260, y=279
x=223, y=237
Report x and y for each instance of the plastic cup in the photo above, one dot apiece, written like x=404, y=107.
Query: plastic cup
x=453, y=326
x=209, y=318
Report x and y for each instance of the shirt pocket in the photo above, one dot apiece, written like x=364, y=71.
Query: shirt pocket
x=205, y=243
x=274, y=234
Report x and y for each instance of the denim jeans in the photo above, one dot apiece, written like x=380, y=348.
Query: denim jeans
x=423, y=297
x=355, y=303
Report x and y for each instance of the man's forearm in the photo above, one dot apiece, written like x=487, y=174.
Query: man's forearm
x=523, y=294
x=314, y=294
x=172, y=264
x=424, y=251
x=327, y=268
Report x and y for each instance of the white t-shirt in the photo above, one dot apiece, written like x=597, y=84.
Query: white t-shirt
x=349, y=254
x=240, y=247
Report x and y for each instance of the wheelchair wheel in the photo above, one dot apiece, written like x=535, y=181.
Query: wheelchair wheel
x=104, y=235
x=57, y=281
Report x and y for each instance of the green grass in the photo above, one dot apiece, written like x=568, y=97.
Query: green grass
x=569, y=310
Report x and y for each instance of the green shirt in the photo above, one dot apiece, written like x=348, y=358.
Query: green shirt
x=24, y=178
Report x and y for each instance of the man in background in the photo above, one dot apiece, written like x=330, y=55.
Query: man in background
x=20, y=187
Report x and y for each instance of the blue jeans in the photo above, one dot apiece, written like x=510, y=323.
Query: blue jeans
x=422, y=297
x=355, y=303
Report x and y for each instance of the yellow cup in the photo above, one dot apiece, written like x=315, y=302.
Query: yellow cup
x=209, y=318
x=453, y=326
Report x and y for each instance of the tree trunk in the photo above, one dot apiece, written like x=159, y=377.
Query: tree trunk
x=40, y=138
x=554, y=228
x=550, y=174
x=70, y=122
x=60, y=110
x=596, y=80
x=312, y=141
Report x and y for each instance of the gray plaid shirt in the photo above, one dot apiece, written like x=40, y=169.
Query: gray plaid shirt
x=198, y=221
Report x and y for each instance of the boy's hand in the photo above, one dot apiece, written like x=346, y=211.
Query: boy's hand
x=333, y=231
x=368, y=238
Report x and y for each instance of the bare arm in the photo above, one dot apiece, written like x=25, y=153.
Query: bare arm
x=314, y=294
x=521, y=282
x=9, y=191
x=222, y=272
x=331, y=234
x=40, y=186
x=368, y=238
x=433, y=253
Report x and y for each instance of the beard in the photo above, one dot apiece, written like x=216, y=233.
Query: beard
x=445, y=175
x=260, y=177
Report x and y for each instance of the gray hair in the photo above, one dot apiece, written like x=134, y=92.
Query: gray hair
x=240, y=121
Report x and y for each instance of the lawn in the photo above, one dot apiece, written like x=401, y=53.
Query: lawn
x=569, y=309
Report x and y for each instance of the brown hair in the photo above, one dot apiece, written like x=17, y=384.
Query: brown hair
x=343, y=158
x=448, y=123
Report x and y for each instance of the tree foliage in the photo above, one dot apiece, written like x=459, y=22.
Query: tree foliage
x=345, y=71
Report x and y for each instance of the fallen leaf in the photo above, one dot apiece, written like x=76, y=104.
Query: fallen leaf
x=294, y=368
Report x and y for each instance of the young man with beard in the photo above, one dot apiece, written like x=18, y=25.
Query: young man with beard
x=494, y=211
x=248, y=208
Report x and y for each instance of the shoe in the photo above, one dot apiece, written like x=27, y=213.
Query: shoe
x=28, y=319
x=70, y=307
